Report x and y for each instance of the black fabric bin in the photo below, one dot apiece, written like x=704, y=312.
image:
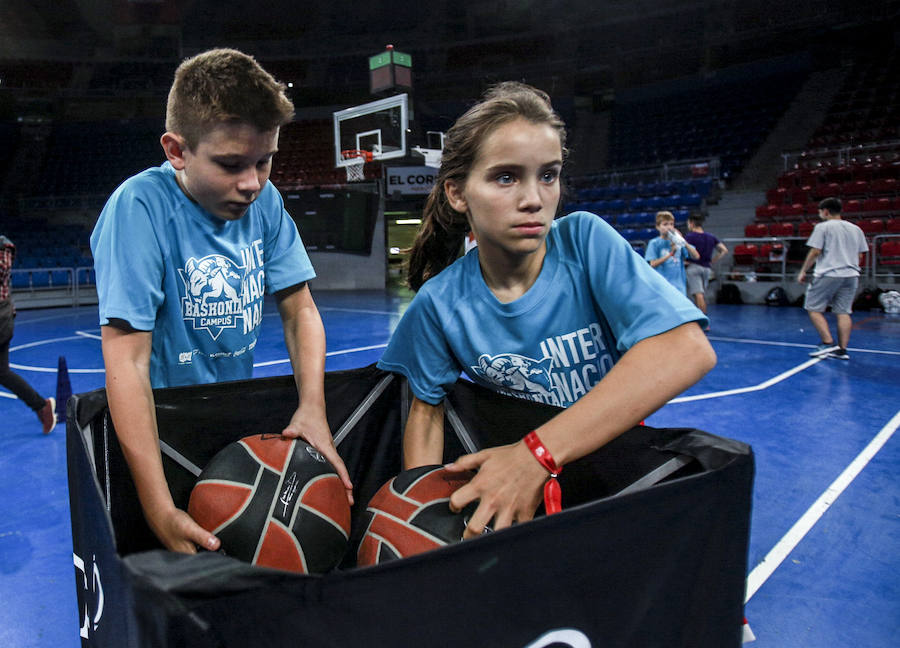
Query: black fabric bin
x=650, y=549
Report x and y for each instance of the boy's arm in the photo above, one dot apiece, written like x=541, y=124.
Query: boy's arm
x=304, y=336
x=654, y=263
x=423, y=438
x=808, y=262
x=126, y=355
x=510, y=480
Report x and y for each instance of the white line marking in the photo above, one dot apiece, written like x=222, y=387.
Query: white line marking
x=357, y=310
x=88, y=335
x=792, y=538
x=795, y=344
x=743, y=390
x=269, y=363
x=7, y=395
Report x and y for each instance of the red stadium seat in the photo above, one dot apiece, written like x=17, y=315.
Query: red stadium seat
x=791, y=212
x=880, y=205
x=766, y=213
x=781, y=229
x=800, y=195
x=756, y=230
x=777, y=195
x=805, y=228
x=744, y=253
x=889, y=252
x=832, y=189
x=884, y=187
x=855, y=188
x=871, y=226
x=852, y=206
x=893, y=225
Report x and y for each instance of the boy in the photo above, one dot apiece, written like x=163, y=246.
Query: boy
x=698, y=270
x=667, y=252
x=835, y=246
x=184, y=253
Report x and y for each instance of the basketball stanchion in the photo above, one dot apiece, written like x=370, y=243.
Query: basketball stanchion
x=63, y=388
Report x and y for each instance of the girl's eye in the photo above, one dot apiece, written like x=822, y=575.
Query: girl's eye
x=550, y=175
x=505, y=178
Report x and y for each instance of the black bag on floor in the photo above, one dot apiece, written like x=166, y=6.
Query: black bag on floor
x=729, y=294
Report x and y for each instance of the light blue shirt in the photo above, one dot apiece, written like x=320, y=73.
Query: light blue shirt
x=673, y=267
x=593, y=299
x=196, y=281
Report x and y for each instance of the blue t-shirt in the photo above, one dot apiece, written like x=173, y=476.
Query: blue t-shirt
x=196, y=281
x=673, y=267
x=593, y=299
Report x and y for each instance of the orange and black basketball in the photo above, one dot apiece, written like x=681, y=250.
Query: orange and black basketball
x=274, y=502
x=411, y=514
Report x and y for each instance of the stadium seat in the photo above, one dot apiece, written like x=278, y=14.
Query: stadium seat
x=744, y=253
x=893, y=225
x=889, y=252
x=883, y=187
x=855, y=188
x=791, y=212
x=781, y=229
x=766, y=213
x=871, y=226
x=877, y=205
x=852, y=206
x=756, y=230
x=805, y=228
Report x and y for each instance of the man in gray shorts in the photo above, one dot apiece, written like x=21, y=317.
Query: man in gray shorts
x=835, y=246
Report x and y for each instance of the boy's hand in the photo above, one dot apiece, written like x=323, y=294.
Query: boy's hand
x=179, y=532
x=314, y=430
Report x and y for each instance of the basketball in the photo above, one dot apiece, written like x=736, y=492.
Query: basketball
x=411, y=514
x=274, y=502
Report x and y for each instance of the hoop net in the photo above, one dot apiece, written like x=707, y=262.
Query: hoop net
x=356, y=161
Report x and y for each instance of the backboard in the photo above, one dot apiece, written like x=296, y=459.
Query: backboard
x=379, y=126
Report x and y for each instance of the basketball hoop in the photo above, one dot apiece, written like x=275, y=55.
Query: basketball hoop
x=356, y=160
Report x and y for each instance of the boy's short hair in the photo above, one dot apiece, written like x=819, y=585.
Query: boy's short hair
x=663, y=216
x=832, y=205
x=697, y=218
x=224, y=86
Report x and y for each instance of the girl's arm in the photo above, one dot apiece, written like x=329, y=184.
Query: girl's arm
x=509, y=480
x=423, y=438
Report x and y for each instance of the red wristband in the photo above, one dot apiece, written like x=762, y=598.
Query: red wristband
x=552, y=491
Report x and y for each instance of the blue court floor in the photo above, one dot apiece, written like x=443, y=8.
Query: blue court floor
x=825, y=536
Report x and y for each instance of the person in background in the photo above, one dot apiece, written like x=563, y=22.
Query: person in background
x=45, y=408
x=836, y=247
x=667, y=252
x=698, y=271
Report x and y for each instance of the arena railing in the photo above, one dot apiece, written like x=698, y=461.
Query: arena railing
x=59, y=286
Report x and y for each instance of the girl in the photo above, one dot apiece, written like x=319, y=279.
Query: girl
x=562, y=312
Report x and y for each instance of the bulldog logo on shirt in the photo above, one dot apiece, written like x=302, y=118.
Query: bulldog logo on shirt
x=516, y=374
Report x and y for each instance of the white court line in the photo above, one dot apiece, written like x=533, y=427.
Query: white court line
x=744, y=390
x=792, y=538
x=356, y=310
x=269, y=363
x=795, y=344
x=88, y=335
